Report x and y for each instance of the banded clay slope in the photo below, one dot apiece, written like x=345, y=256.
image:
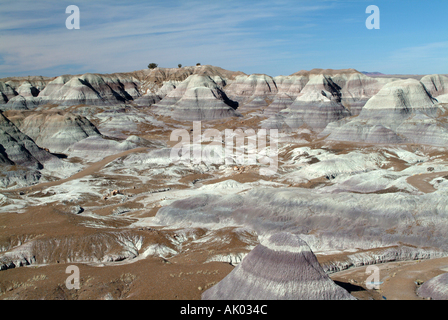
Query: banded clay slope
x=318, y=104
x=402, y=112
x=21, y=92
x=355, y=88
x=436, y=84
x=37, y=81
x=281, y=268
x=19, y=148
x=325, y=220
x=289, y=87
x=148, y=87
x=145, y=87
x=6, y=92
x=253, y=91
x=21, y=158
x=18, y=151
x=262, y=92
x=26, y=97
x=199, y=97
x=319, y=97
x=50, y=238
x=30, y=136
x=316, y=98
x=436, y=288
x=127, y=207
x=400, y=280
x=155, y=84
x=54, y=130
x=149, y=279
x=90, y=89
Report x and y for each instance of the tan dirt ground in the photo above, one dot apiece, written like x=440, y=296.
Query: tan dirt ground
x=399, y=279
x=186, y=275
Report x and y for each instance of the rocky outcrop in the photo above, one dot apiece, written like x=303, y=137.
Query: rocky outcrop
x=159, y=76
x=282, y=267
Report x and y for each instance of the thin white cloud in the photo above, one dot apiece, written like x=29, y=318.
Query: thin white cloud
x=426, y=58
x=427, y=50
x=129, y=36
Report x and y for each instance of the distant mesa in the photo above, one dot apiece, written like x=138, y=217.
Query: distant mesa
x=330, y=72
x=372, y=74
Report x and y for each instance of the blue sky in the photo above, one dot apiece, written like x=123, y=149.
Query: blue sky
x=271, y=37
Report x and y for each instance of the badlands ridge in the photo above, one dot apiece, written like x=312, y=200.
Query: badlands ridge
x=87, y=179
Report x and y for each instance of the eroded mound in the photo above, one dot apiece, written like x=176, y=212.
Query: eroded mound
x=281, y=268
